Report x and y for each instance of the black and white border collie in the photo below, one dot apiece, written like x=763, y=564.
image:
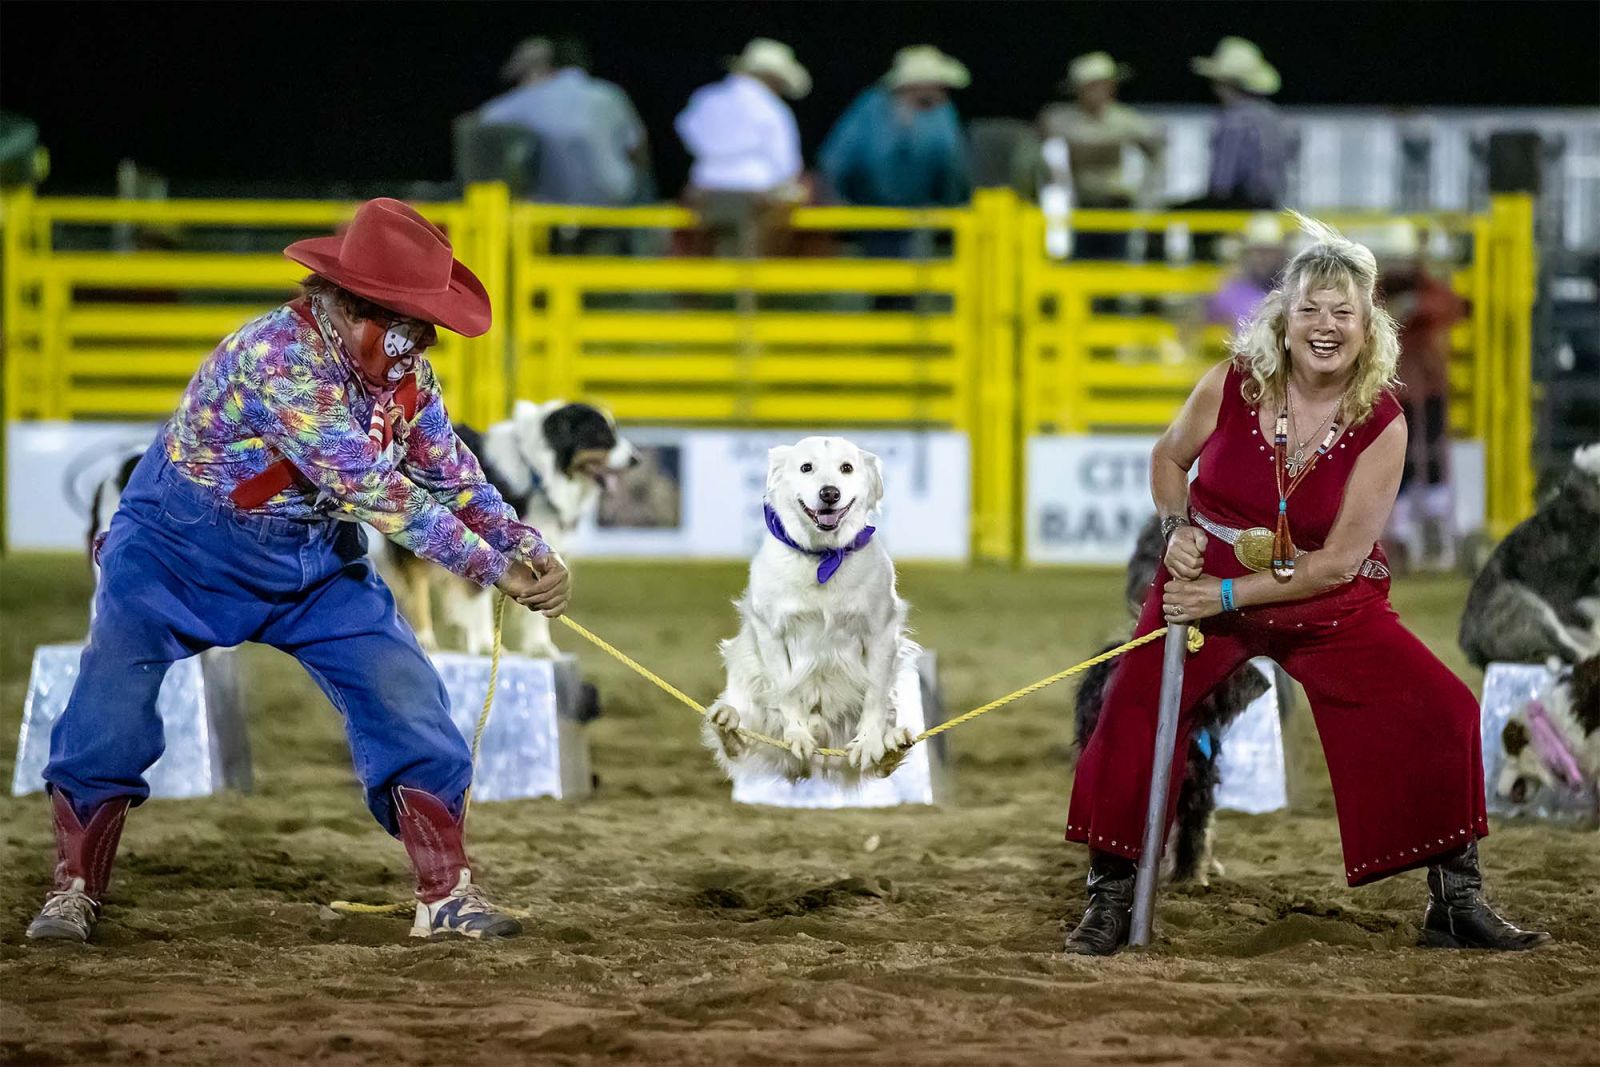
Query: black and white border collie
x=552, y=462
x=1538, y=597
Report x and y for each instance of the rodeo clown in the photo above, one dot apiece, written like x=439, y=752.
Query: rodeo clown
x=240, y=524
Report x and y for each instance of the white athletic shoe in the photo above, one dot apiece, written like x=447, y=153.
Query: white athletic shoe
x=467, y=912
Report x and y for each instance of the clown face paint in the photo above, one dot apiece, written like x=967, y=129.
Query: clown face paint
x=396, y=340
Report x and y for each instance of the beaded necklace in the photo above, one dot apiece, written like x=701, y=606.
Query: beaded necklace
x=1283, y=551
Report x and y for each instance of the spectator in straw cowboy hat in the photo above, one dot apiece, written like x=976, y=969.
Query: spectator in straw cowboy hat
x=242, y=523
x=1250, y=146
x=1096, y=127
x=746, y=146
x=900, y=143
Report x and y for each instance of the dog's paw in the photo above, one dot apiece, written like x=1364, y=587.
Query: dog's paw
x=724, y=718
x=724, y=721
x=541, y=650
x=879, y=750
x=800, y=740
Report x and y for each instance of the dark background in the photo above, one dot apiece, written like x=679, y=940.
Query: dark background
x=256, y=93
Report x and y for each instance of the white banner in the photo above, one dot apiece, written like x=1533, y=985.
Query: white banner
x=52, y=469
x=1088, y=496
x=697, y=493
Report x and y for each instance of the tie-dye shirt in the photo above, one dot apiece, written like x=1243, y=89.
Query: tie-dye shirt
x=276, y=389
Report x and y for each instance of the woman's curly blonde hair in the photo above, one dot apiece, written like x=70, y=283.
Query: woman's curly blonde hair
x=1331, y=261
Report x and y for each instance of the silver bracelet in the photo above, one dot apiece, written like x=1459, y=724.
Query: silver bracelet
x=1171, y=523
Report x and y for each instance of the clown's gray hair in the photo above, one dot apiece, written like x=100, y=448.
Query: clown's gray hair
x=1330, y=261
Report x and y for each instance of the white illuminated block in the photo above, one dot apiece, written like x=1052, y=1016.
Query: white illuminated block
x=1250, y=767
x=202, y=719
x=919, y=780
x=534, y=745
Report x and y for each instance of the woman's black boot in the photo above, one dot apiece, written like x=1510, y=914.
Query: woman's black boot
x=1459, y=917
x=1104, y=928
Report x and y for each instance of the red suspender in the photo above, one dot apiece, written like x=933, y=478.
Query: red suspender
x=257, y=490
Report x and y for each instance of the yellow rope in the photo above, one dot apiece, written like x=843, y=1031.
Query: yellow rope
x=351, y=907
x=488, y=697
x=1195, y=640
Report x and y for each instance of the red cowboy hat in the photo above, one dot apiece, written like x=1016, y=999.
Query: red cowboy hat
x=394, y=257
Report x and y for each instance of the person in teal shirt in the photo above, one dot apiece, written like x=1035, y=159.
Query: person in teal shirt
x=901, y=144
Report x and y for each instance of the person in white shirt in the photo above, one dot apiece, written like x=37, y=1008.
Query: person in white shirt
x=746, y=146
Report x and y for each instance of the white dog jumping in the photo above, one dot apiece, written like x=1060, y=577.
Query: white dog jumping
x=823, y=633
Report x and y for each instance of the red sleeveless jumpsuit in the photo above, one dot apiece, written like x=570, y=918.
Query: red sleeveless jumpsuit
x=1399, y=730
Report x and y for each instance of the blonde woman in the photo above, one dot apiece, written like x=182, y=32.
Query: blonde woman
x=1273, y=551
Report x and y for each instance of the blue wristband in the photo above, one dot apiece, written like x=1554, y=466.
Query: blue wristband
x=1227, y=594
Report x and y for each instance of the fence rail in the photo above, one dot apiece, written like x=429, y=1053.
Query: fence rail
x=109, y=305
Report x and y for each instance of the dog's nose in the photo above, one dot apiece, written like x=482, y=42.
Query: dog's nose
x=829, y=495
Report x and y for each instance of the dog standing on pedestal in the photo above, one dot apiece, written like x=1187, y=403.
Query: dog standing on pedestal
x=552, y=462
x=822, y=632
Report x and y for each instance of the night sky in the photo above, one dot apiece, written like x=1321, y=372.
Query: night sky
x=364, y=92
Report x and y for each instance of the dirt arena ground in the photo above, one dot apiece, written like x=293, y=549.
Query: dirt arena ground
x=669, y=926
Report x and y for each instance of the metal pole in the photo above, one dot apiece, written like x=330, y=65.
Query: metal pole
x=1155, y=816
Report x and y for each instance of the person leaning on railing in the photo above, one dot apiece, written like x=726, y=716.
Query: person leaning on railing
x=1250, y=147
x=747, y=165
x=593, y=147
x=1272, y=552
x=900, y=144
x=1097, y=128
x=241, y=524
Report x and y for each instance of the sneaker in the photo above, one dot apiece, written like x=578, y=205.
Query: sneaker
x=467, y=912
x=68, y=915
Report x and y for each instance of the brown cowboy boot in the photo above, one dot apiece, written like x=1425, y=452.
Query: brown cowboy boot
x=1107, y=921
x=84, y=854
x=1459, y=917
x=447, y=901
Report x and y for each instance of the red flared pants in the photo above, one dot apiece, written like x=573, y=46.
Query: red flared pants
x=1399, y=730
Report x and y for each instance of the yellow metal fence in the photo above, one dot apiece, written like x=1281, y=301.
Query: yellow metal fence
x=974, y=330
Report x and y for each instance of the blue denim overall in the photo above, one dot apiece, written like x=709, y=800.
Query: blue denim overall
x=182, y=571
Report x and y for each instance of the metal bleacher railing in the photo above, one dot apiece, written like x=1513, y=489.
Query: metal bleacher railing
x=110, y=304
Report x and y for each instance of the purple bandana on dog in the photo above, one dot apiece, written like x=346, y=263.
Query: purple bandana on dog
x=831, y=558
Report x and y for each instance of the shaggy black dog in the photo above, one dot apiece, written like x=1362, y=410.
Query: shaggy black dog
x=1197, y=797
x=1539, y=594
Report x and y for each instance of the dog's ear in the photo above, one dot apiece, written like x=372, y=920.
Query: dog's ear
x=574, y=427
x=777, y=459
x=525, y=411
x=874, y=468
x=1514, y=738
